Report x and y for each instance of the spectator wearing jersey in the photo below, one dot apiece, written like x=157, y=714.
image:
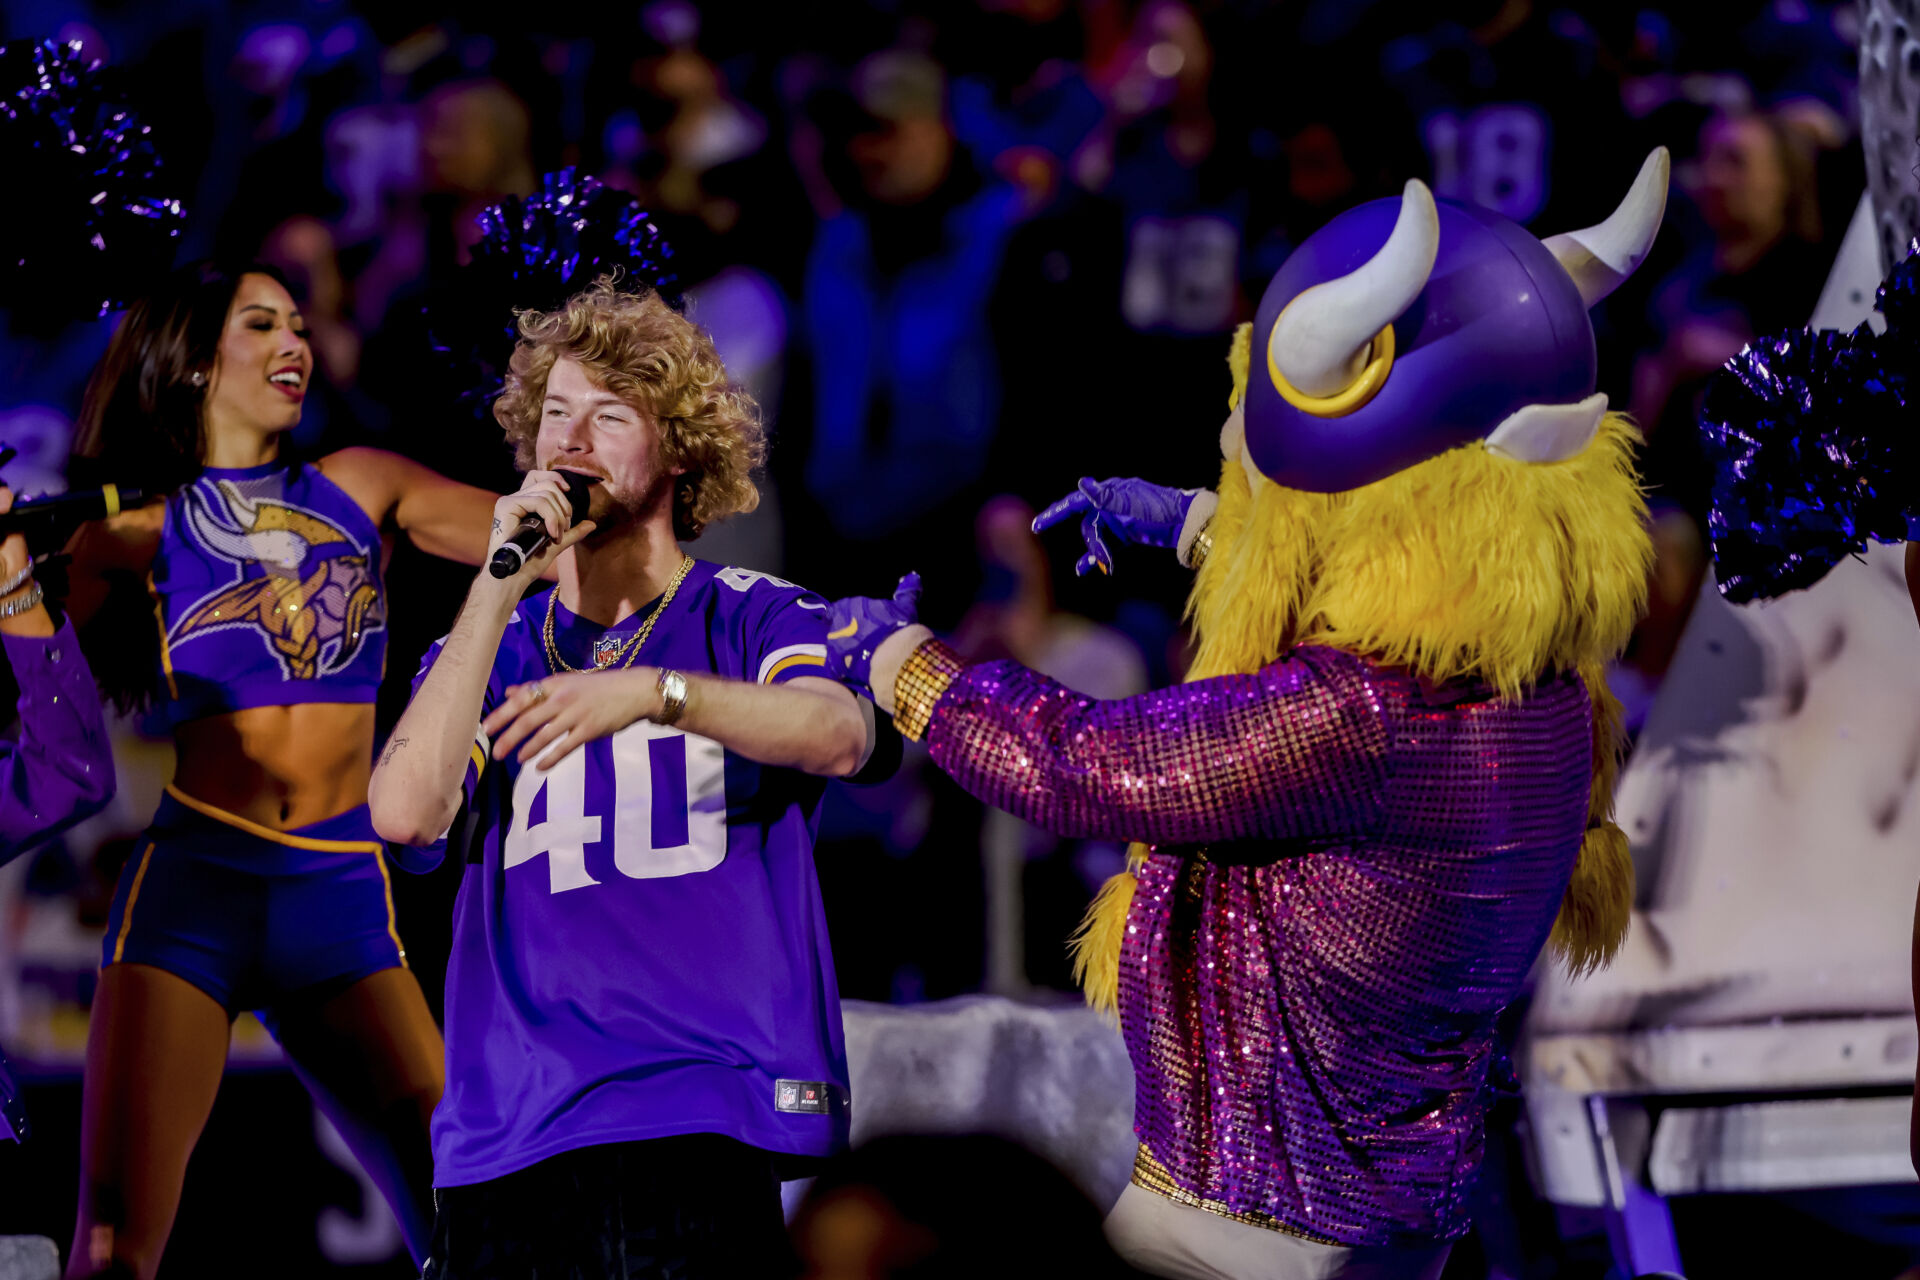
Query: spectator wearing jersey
x=1169, y=172
x=643, y=1025
x=1518, y=106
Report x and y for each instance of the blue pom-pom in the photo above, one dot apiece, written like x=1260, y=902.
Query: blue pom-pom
x=94, y=220
x=1812, y=448
x=533, y=254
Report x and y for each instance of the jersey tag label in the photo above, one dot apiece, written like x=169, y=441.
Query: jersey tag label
x=808, y=1097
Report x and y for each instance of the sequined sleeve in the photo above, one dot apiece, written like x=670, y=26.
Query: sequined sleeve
x=1298, y=749
x=61, y=769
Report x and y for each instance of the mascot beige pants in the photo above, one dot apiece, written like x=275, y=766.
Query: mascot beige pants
x=1179, y=1242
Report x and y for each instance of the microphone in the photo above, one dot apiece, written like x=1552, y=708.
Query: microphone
x=530, y=539
x=45, y=520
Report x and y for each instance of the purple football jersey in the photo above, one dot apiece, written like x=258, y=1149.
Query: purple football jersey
x=639, y=948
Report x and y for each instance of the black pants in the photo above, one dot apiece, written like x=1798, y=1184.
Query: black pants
x=681, y=1208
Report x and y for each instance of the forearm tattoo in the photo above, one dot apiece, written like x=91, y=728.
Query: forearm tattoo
x=393, y=749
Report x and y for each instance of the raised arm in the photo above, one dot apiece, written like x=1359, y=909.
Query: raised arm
x=1295, y=750
x=415, y=792
x=1136, y=511
x=61, y=769
x=785, y=713
x=810, y=723
x=121, y=547
x=443, y=517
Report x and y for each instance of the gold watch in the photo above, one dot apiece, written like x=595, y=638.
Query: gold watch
x=673, y=697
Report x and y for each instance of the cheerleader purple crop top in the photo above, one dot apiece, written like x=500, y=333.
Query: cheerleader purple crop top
x=268, y=582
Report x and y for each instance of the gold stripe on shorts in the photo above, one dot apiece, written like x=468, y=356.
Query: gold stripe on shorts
x=133, y=896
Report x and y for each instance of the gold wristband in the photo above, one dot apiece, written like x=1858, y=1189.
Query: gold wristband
x=923, y=678
x=673, y=697
x=1202, y=545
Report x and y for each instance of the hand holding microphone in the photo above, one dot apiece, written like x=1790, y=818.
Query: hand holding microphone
x=547, y=515
x=48, y=521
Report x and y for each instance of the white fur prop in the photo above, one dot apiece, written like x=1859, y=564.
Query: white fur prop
x=28, y=1258
x=1055, y=1079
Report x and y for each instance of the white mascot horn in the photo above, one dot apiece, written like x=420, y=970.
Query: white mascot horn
x=1599, y=258
x=1322, y=339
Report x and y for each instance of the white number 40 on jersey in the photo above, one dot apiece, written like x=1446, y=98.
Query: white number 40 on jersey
x=668, y=809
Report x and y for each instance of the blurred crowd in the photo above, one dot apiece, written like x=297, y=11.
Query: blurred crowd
x=963, y=252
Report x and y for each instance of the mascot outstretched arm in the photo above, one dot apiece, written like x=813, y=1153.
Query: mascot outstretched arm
x=1386, y=785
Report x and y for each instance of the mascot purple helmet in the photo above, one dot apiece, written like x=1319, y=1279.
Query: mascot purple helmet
x=1405, y=328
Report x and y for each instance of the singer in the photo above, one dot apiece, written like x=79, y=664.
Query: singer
x=266, y=577
x=643, y=1022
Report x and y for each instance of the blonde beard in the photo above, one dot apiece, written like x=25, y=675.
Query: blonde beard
x=1467, y=566
x=1263, y=537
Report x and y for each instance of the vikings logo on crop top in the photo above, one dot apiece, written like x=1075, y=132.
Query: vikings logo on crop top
x=304, y=583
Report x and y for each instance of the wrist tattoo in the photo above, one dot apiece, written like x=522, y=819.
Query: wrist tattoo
x=393, y=749
x=496, y=524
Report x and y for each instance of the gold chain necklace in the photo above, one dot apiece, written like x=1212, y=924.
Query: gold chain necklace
x=629, y=651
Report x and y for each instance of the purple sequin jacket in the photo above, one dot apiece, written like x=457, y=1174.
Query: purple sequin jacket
x=1352, y=873
x=61, y=769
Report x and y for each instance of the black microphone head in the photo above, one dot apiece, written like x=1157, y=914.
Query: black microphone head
x=579, y=492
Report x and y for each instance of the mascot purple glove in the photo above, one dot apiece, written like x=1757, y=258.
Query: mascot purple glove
x=1149, y=515
x=860, y=623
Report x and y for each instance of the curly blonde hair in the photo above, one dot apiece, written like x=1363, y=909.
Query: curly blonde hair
x=663, y=364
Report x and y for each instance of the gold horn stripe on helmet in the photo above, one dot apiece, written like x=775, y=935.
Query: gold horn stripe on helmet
x=1362, y=389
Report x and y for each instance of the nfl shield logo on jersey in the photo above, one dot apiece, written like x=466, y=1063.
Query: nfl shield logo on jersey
x=809, y=1097
x=605, y=650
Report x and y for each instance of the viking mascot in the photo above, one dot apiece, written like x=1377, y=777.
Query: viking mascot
x=1385, y=785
